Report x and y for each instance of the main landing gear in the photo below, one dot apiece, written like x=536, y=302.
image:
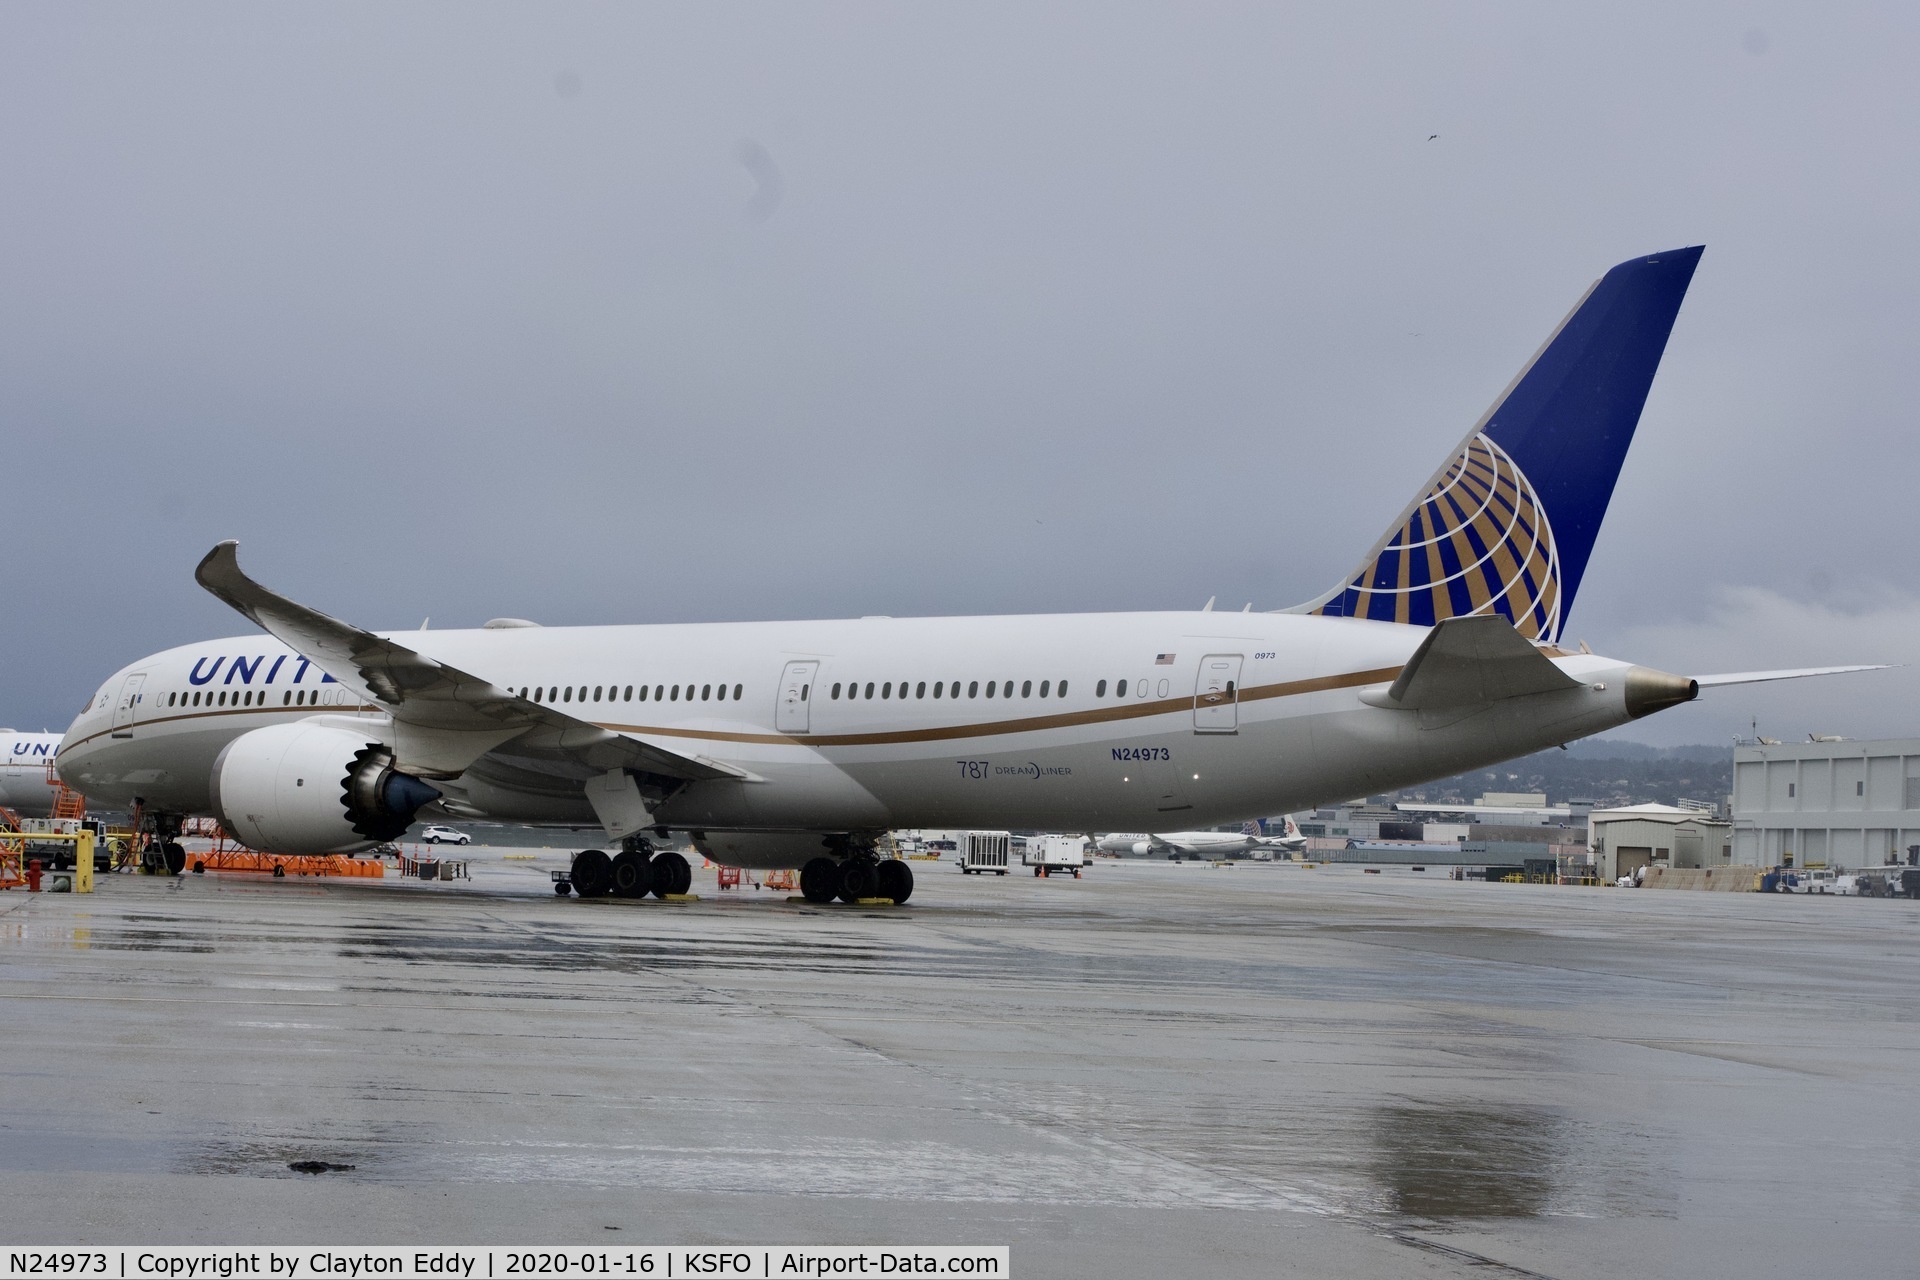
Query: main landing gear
x=823, y=879
x=634, y=872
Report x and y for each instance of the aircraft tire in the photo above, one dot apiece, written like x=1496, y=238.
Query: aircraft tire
x=895, y=880
x=633, y=875
x=671, y=874
x=858, y=879
x=592, y=873
x=820, y=880
x=176, y=857
x=562, y=888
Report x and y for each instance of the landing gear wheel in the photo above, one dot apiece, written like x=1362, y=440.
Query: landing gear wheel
x=858, y=879
x=592, y=873
x=820, y=880
x=562, y=888
x=176, y=858
x=671, y=874
x=632, y=875
x=896, y=880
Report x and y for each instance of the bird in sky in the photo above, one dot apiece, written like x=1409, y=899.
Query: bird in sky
x=1432, y=136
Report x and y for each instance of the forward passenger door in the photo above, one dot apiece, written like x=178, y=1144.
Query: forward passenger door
x=129, y=699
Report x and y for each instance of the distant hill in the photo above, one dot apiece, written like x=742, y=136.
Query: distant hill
x=1609, y=772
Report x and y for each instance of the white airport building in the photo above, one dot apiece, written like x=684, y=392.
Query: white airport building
x=1645, y=835
x=1836, y=803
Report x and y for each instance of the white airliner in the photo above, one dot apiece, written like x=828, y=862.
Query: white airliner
x=798, y=744
x=24, y=784
x=1200, y=844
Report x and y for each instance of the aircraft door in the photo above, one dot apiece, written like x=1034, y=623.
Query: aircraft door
x=1216, y=695
x=796, y=695
x=129, y=699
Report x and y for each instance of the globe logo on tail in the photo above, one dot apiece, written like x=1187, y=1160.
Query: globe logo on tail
x=1479, y=541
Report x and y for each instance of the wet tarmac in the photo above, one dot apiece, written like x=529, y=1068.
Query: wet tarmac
x=1157, y=1070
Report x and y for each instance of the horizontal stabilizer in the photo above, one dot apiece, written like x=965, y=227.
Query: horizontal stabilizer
x=1761, y=677
x=1473, y=660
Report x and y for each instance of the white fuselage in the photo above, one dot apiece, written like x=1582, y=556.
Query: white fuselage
x=24, y=785
x=1092, y=721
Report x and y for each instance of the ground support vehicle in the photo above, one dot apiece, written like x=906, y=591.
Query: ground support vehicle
x=982, y=852
x=1050, y=854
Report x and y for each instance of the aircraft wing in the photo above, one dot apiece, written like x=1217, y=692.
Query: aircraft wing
x=445, y=717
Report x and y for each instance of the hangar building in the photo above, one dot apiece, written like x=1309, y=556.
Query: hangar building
x=1835, y=803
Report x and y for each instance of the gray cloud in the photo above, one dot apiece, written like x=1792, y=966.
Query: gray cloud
x=367, y=289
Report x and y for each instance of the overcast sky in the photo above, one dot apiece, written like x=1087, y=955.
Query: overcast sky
x=654, y=313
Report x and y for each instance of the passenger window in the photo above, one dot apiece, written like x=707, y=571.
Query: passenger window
x=1100, y=690
x=706, y=693
x=936, y=687
x=736, y=692
x=1026, y=689
x=566, y=694
x=643, y=693
x=836, y=690
x=990, y=686
x=973, y=688
x=628, y=696
x=886, y=690
x=596, y=692
x=920, y=690
x=1044, y=684
x=658, y=690
x=673, y=694
x=1063, y=688
x=869, y=688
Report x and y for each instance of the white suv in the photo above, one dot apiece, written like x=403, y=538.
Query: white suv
x=435, y=835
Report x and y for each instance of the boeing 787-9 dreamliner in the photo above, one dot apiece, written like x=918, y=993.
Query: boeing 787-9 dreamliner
x=798, y=744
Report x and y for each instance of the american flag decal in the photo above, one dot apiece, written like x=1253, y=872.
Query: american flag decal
x=1163, y=660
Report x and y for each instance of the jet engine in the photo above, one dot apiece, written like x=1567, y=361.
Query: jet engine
x=1141, y=848
x=313, y=788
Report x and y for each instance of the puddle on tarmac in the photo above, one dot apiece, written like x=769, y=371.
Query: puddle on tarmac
x=275, y=1158
x=1512, y=1162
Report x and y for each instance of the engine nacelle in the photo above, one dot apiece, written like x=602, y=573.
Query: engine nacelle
x=313, y=788
x=1141, y=848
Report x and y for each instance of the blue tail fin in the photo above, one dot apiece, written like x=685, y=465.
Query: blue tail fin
x=1507, y=524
